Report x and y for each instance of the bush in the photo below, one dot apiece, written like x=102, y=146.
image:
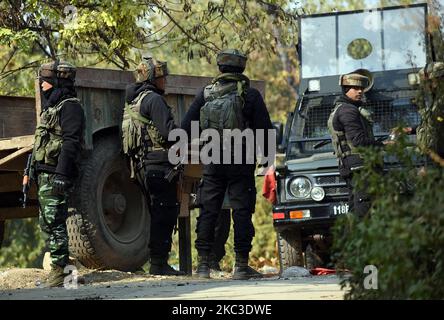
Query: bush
x=403, y=234
x=23, y=244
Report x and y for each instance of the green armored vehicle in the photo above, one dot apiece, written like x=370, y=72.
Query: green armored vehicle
x=389, y=45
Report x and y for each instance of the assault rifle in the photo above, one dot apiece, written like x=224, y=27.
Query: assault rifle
x=28, y=176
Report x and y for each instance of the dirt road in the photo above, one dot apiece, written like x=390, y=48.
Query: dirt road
x=24, y=284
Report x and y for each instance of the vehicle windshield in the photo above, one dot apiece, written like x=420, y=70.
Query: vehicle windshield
x=310, y=127
x=377, y=40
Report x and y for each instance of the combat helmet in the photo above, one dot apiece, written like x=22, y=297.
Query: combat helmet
x=149, y=69
x=232, y=58
x=358, y=78
x=57, y=70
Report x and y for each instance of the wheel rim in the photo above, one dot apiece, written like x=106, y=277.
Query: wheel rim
x=122, y=204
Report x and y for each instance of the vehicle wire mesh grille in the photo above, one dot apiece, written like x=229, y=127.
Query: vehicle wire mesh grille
x=335, y=191
x=387, y=114
x=329, y=180
x=333, y=185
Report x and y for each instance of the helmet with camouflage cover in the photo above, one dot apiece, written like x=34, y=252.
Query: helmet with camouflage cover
x=355, y=79
x=57, y=70
x=432, y=70
x=149, y=69
x=232, y=58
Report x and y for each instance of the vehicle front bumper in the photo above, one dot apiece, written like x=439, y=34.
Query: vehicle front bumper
x=322, y=215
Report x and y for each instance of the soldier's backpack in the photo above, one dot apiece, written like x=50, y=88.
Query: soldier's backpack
x=139, y=134
x=223, y=106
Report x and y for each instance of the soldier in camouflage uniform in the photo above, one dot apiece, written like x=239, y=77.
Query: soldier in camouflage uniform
x=56, y=154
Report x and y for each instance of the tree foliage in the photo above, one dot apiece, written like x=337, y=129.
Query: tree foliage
x=402, y=237
x=23, y=244
x=91, y=32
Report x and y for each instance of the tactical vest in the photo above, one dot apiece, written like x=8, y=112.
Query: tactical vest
x=139, y=134
x=341, y=145
x=48, y=138
x=223, y=106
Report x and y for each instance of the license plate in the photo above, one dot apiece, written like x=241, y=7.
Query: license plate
x=338, y=209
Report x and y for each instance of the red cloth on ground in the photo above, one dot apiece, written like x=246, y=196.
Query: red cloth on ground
x=322, y=271
x=269, y=186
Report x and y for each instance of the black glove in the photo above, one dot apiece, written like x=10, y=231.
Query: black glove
x=61, y=185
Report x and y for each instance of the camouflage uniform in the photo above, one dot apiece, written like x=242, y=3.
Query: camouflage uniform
x=52, y=217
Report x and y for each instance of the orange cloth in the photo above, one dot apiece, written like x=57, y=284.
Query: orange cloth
x=269, y=187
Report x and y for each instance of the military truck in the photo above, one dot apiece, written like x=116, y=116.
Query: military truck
x=108, y=224
x=387, y=44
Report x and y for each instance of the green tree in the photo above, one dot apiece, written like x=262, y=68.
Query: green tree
x=23, y=244
x=402, y=237
x=96, y=32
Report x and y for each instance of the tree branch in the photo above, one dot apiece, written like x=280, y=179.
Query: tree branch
x=116, y=51
x=11, y=55
x=189, y=36
x=32, y=64
x=48, y=40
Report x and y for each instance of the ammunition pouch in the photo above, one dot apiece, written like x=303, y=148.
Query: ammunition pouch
x=48, y=138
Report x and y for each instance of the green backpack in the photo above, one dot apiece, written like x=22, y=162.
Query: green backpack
x=139, y=134
x=223, y=106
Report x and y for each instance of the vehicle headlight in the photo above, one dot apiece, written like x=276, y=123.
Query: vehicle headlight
x=300, y=187
x=317, y=193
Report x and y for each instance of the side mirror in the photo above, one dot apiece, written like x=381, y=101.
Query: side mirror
x=279, y=127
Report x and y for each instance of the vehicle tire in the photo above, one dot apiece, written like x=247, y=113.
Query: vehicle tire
x=290, y=248
x=312, y=259
x=109, y=222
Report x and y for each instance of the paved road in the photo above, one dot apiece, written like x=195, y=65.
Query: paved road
x=315, y=287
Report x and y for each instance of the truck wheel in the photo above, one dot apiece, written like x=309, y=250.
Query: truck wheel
x=290, y=249
x=109, y=224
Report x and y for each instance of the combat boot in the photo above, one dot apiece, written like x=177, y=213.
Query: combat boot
x=214, y=263
x=56, y=277
x=203, y=267
x=159, y=266
x=242, y=271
